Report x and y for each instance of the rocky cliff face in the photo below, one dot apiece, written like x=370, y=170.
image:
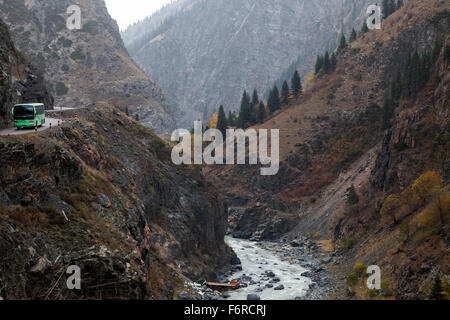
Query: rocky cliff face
x=19, y=80
x=206, y=53
x=87, y=65
x=103, y=194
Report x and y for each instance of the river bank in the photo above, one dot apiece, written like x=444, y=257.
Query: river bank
x=282, y=270
x=279, y=270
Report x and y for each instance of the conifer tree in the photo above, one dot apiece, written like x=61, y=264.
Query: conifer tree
x=353, y=36
x=319, y=63
x=364, y=28
x=342, y=42
x=231, y=119
x=436, y=290
x=244, y=114
x=296, y=84
x=222, y=121
x=285, y=93
x=392, y=6
x=326, y=63
x=255, y=98
x=261, y=112
x=385, y=8
x=333, y=61
x=352, y=196
x=274, y=100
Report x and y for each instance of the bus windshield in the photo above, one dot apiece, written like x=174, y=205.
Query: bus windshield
x=23, y=113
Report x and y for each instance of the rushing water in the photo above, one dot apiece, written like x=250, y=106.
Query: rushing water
x=255, y=262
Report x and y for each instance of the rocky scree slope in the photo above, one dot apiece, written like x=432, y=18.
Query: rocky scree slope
x=103, y=194
x=19, y=80
x=333, y=137
x=205, y=53
x=87, y=65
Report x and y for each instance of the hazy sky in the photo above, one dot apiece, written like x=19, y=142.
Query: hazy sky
x=125, y=12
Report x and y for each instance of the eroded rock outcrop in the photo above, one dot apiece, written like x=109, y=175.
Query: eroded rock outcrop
x=103, y=194
x=20, y=81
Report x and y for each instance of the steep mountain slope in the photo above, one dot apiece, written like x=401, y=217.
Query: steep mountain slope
x=207, y=52
x=103, y=194
x=338, y=134
x=87, y=65
x=19, y=80
x=153, y=22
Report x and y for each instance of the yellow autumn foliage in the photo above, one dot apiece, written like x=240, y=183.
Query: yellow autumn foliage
x=426, y=187
x=212, y=124
x=391, y=206
x=309, y=81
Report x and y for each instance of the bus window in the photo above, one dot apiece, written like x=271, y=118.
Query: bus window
x=23, y=113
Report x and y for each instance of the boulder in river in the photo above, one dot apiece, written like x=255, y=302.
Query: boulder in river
x=270, y=274
x=275, y=280
x=280, y=287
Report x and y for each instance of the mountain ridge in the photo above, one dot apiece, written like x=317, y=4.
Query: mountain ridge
x=212, y=51
x=87, y=65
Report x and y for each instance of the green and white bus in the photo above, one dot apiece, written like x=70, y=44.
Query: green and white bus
x=28, y=115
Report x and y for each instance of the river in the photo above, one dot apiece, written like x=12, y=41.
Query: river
x=256, y=262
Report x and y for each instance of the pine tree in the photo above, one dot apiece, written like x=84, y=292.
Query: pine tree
x=399, y=4
x=276, y=95
x=231, y=119
x=326, y=63
x=244, y=114
x=333, y=61
x=385, y=8
x=352, y=196
x=255, y=98
x=436, y=290
x=353, y=36
x=342, y=42
x=222, y=121
x=274, y=100
x=319, y=63
x=296, y=84
x=392, y=6
x=285, y=93
x=261, y=112
x=364, y=28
